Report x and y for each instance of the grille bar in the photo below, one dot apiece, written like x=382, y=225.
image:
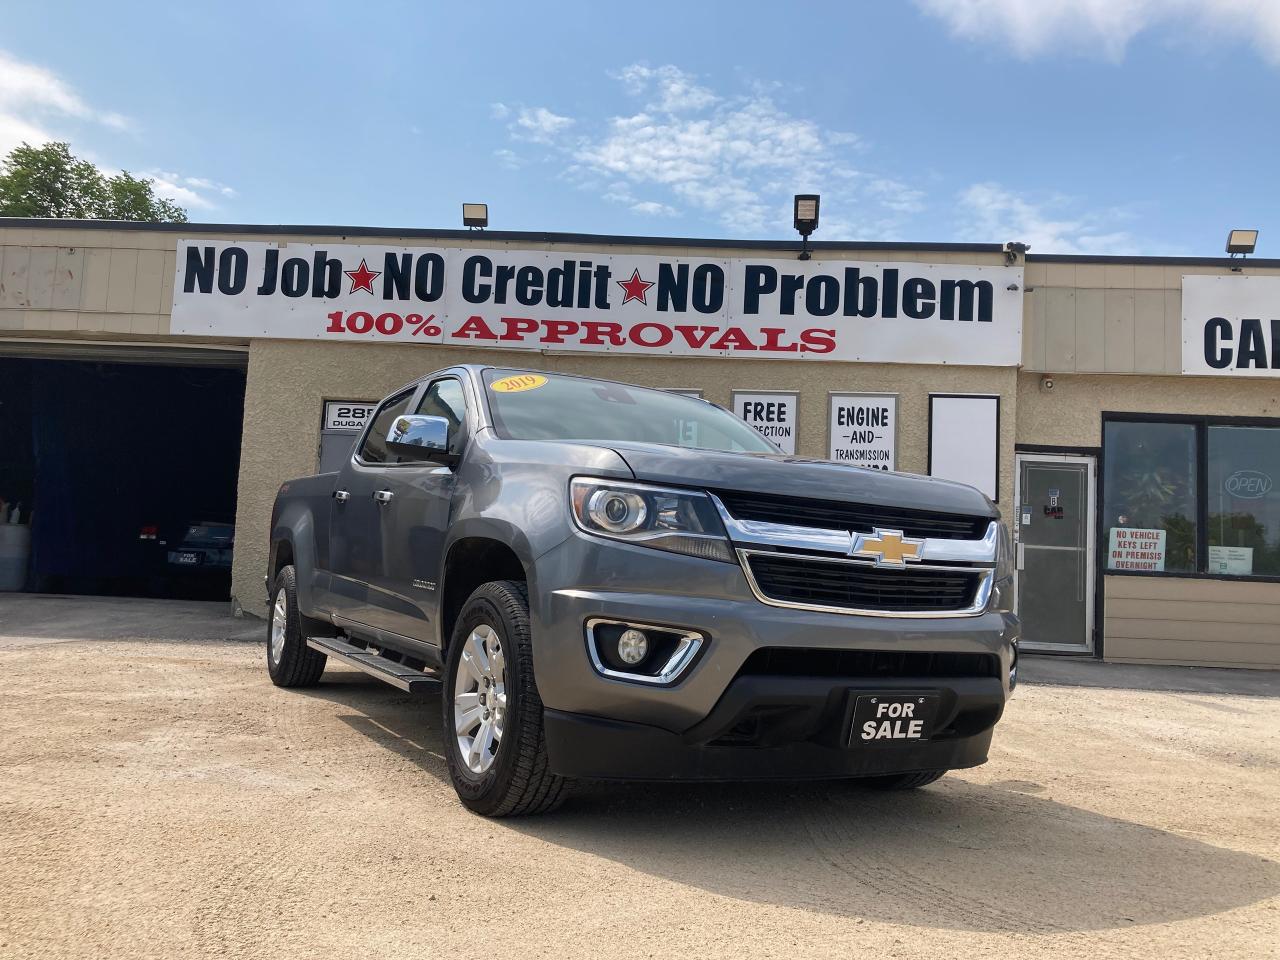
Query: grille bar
x=862, y=518
x=820, y=583
x=813, y=662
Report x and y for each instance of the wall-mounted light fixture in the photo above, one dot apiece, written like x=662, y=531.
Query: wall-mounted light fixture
x=475, y=215
x=806, y=219
x=1241, y=243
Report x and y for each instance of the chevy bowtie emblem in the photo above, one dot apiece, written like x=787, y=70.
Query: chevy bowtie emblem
x=889, y=548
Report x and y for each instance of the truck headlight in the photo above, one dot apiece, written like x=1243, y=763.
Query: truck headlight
x=681, y=521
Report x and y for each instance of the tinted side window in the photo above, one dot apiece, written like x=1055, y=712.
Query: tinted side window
x=374, y=448
x=445, y=398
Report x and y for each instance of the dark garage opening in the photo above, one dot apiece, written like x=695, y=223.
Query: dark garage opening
x=126, y=473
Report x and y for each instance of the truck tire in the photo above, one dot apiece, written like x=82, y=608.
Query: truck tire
x=290, y=662
x=493, y=736
x=904, y=781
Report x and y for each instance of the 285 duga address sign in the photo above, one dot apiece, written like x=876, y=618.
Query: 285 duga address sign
x=622, y=303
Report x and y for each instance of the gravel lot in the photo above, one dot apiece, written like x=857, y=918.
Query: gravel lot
x=162, y=799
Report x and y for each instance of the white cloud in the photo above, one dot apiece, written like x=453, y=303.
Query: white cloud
x=620, y=192
x=34, y=101
x=1107, y=26
x=539, y=124
x=739, y=159
x=499, y=111
x=509, y=159
x=676, y=90
x=197, y=193
x=992, y=213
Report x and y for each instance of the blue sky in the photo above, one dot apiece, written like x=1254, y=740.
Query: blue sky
x=1078, y=126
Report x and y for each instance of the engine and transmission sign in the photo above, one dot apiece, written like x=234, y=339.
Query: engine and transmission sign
x=880, y=312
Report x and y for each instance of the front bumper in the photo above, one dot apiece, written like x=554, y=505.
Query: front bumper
x=778, y=728
x=723, y=719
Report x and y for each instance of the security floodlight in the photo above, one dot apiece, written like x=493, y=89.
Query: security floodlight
x=806, y=219
x=1241, y=242
x=475, y=215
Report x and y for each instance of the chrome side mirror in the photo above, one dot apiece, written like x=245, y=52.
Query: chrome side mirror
x=418, y=437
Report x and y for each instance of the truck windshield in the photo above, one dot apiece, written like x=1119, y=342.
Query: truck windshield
x=541, y=406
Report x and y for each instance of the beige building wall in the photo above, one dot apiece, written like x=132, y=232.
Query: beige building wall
x=1108, y=317
x=1212, y=623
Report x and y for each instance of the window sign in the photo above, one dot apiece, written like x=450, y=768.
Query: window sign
x=1243, y=508
x=1149, y=484
x=862, y=430
x=775, y=415
x=1131, y=548
x=1231, y=561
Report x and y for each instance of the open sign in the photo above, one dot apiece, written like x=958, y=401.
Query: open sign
x=1247, y=484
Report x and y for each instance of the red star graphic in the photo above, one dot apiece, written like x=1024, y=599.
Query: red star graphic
x=362, y=279
x=635, y=288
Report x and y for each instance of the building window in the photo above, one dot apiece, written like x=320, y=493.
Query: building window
x=1149, y=489
x=1243, y=505
x=1191, y=495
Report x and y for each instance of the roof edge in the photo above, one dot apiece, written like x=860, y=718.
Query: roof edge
x=250, y=229
x=785, y=246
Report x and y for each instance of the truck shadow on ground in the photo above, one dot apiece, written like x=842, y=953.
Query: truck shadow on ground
x=960, y=854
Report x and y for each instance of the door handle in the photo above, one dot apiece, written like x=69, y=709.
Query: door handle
x=1021, y=556
x=342, y=496
x=383, y=496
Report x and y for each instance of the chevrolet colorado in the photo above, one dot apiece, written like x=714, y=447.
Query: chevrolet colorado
x=611, y=581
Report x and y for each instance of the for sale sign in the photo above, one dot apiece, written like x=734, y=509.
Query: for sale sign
x=621, y=303
x=1131, y=548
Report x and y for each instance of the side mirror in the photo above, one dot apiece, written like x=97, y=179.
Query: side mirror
x=418, y=437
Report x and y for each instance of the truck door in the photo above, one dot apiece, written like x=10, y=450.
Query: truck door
x=414, y=520
x=357, y=551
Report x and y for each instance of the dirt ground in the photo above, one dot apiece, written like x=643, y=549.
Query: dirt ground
x=162, y=799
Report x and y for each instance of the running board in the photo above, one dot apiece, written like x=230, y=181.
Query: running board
x=396, y=674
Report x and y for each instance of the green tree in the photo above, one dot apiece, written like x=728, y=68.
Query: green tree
x=48, y=181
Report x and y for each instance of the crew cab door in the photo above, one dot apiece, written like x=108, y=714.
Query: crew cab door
x=358, y=550
x=415, y=518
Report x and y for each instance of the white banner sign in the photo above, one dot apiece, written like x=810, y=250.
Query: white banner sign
x=1231, y=326
x=775, y=415
x=620, y=303
x=347, y=414
x=1131, y=548
x=862, y=430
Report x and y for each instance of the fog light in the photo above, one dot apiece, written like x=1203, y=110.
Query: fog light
x=633, y=646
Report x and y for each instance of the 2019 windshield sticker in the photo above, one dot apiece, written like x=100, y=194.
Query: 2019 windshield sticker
x=518, y=383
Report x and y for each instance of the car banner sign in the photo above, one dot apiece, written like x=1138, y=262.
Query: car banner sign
x=1231, y=326
x=878, y=312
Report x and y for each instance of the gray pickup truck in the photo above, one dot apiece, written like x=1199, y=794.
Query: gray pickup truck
x=610, y=581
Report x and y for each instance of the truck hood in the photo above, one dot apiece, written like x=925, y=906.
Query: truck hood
x=789, y=476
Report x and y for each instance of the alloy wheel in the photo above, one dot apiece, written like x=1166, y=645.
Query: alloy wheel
x=279, y=623
x=480, y=698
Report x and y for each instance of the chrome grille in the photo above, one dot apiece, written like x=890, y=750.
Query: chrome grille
x=859, y=517
x=846, y=585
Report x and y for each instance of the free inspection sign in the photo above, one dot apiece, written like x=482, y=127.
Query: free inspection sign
x=621, y=303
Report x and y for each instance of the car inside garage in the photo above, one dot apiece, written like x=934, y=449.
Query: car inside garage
x=118, y=471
